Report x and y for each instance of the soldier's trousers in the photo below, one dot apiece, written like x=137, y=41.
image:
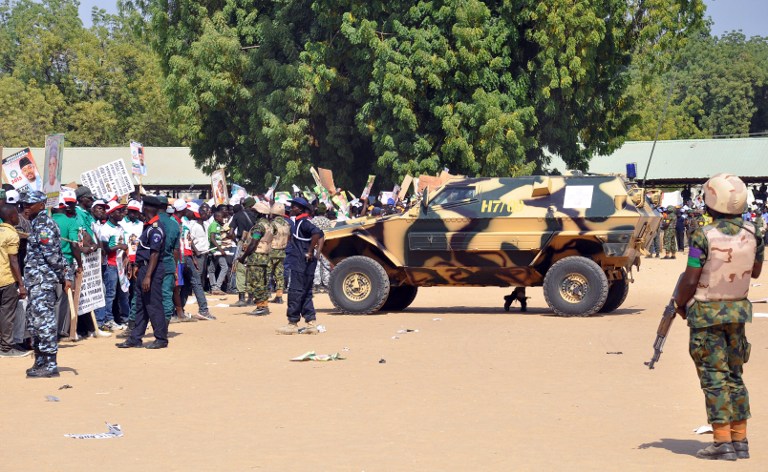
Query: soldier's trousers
x=322, y=271
x=719, y=353
x=149, y=306
x=300, y=292
x=256, y=282
x=169, y=280
x=41, y=318
x=670, y=245
x=240, y=277
x=277, y=270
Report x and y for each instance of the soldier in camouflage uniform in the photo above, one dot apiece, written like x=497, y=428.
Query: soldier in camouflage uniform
x=45, y=269
x=256, y=259
x=282, y=230
x=670, y=234
x=712, y=296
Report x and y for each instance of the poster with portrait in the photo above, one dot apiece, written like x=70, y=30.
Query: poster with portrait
x=21, y=171
x=138, y=166
x=54, y=152
x=110, y=179
x=219, y=187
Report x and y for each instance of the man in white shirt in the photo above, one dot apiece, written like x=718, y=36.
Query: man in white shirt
x=198, y=245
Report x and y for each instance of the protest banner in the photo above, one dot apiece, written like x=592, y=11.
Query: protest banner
x=54, y=152
x=282, y=197
x=326, y=179
x=308, y=195
x=138, y=167
x=404, y=187
x=674, y=199
x=21, y=172
x=219, y=186
x=323, y=195
x=92, y=288
x=109, y=179
x=368, y=187
x=315, y=176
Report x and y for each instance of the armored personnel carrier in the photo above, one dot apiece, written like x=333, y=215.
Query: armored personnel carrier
x=578, y=237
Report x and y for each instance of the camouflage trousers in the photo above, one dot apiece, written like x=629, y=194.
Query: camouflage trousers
x=322, y=272
x=670, y=243
x=256, y=277
x=277, y=270
x=41, y=318
x=719, y=353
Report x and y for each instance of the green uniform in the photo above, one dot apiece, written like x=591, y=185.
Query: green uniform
x=670, y=234
x=257, y=263
x=70, y=229
x=172, y=235
x=718, y=344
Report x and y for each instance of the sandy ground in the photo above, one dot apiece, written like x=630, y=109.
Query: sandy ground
x=478, y=389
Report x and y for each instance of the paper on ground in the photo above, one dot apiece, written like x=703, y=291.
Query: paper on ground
x=311, y=356
x=706, y=429
x=113, y=431
x=759, y=315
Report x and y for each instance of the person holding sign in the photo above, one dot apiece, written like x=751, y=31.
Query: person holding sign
x=45, y=268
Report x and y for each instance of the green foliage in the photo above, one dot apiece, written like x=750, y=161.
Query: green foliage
x=100, y=86
x=396, y=87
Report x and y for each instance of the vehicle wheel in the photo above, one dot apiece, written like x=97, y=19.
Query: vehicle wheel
x=617, y=293
x=575, y=286
x=358, y=285
x=399, y=298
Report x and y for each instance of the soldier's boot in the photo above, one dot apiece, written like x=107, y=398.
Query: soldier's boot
x=250, y=301
x=48, y=369
x=39, y=359
x=718, y=451
x=278, y=297
x=290, y=328
x=127, y=332
x=262, y=308
x=240, y=300
x=311, y=328
x=741, y=448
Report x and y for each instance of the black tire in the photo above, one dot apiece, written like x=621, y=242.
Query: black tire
x=617, y=293
x=399, y=298
x=575, y=286
x=367, y=285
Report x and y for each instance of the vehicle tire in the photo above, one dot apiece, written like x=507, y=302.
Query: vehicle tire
x=575, y=286
x=617, y=293
x=358, y=285
x=399, y=298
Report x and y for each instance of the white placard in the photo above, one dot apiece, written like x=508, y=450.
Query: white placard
x=92, y=289
x=578, y=196
x=110, y=179
x=674, y=199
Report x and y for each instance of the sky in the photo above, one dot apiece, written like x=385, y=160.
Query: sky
x=750, y=16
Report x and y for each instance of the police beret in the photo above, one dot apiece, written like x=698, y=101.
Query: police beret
x=83, y=192
x=163, y=200
x=30, y=198
x=300, y=202
x=153, y=201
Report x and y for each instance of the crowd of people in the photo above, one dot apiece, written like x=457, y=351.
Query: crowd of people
x=156, y=252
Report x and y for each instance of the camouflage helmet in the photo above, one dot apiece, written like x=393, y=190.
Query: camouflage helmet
x=262, y=207
x=670, y=208
x=278, y=209
x=725, y=193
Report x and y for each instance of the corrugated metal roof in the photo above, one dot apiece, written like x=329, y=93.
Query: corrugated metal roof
x=685, y=159
x=166, y=166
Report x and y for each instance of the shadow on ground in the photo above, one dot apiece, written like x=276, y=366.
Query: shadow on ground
x=686, y=447
x=473, y=310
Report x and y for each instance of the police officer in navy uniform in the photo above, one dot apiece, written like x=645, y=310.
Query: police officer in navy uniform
x=149, y=259
x=305, y=241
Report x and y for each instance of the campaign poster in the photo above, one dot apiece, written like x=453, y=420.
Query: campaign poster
x=21, y=171
x=326, y=179
x=368, y=187
x=138, y=166
x=404, y=187
x=219, y=187
x=110, y=179
x=92, y=289
x=54, y=152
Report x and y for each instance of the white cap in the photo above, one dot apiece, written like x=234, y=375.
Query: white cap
x=12, y=196
x=179, y=204
x=194, y=208
x=135, y=205
x=170, y=210
x=113, y=205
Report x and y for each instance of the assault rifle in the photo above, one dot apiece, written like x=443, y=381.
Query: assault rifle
x=666, y=322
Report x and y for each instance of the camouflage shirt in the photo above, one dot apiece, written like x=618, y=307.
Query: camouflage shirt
x=45, y=263
x=704, y=314
x=258, y=230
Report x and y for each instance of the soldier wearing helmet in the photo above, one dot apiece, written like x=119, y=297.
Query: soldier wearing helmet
x=282, y=231
x=669, y=224
x=712, y=296
x=256, y=259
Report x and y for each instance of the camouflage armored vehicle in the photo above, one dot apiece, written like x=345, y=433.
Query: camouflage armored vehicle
x=576, y=236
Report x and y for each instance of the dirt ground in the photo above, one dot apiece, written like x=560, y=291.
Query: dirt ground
x=474, y=389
